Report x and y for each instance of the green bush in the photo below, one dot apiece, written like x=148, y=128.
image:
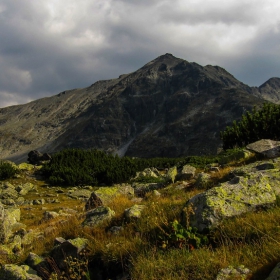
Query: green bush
x=7, y=170
x=255, y=125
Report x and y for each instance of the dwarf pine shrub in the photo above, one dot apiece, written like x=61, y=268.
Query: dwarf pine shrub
x=253, y=126
x=7, y=170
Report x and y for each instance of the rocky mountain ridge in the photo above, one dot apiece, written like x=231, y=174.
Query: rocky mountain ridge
x=169, y=107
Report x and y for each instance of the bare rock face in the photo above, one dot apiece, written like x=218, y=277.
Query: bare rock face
x=169, y=107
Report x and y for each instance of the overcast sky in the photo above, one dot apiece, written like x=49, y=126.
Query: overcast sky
x=48, y=46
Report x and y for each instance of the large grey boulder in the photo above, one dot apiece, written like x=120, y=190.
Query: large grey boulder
x=187, y=173
x=98, y=215
x=266, y=147
x=240, y=195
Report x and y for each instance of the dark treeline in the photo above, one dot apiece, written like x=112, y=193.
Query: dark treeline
x=255, y=125
x=95, y=167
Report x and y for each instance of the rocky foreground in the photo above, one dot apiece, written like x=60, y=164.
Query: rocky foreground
x=31, y=211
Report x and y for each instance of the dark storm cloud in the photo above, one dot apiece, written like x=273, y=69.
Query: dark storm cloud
x=53, y=45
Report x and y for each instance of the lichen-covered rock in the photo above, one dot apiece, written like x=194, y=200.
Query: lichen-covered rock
x=80, y=194
x=275, y=273
x=98, y=215
x=12, y=248
x=105, y=195
x=268, y=169
x=171, y=174
x=33, y=260
x=187, y=172
x=134, y=212
x=8, y=192
x=70, y=248
x=26, y=166
x=229, y=273
x=9, y=218
x=15, y=272
x=202, y=180
x=25, y=188
x=240, y=195
x=258, y=166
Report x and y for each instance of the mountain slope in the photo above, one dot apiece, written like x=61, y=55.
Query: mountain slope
x=169, y=107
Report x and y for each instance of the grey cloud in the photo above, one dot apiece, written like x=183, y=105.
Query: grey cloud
x=42, y=53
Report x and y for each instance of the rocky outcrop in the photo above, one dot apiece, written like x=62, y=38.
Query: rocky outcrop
x=37, y=158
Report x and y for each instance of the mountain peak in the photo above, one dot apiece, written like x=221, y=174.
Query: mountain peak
x=272, y=82
x=162, y=109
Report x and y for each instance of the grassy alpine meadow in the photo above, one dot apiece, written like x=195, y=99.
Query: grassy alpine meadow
x=252, y=240
x=157, y=245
